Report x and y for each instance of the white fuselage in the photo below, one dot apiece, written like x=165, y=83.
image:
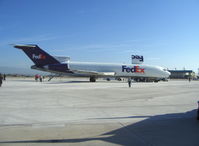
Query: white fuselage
x=121, y=70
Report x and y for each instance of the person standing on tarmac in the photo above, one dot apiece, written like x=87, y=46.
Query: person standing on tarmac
x=4, y=77
x=40, y=78
x=189, y=79
x=1, y=78
x=36, y=77
x=129, y=82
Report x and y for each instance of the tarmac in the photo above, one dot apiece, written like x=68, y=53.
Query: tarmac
x=68, y=111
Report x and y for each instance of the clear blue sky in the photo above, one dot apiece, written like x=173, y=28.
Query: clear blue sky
x=166, y=32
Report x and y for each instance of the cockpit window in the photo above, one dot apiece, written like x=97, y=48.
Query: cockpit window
x=164, y=69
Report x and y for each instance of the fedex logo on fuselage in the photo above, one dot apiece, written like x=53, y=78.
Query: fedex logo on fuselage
x=40, y=56
x=134, y=69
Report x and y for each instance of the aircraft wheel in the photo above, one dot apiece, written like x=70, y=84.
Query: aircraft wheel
x=92, y=79
x=119, y=79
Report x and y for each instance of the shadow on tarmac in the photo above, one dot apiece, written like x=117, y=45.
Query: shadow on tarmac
x=170, y=129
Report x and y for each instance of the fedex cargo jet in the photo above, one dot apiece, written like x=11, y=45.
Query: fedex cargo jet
x=45, y=62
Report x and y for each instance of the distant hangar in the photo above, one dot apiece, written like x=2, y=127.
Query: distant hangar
x=182, y=74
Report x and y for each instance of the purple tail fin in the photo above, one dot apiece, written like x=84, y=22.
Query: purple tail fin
x=37, y=55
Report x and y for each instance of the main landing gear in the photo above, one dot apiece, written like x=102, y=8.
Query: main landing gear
x=92, y=79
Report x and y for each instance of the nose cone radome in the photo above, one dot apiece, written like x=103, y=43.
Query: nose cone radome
x=167, y=73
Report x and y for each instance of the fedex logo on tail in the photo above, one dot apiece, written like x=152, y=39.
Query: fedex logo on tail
x=40, y=56
x=134, y=69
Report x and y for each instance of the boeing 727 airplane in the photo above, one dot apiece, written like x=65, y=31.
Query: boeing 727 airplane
x=45, y=62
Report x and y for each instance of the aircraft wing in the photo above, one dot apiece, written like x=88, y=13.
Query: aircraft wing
x=94, y=73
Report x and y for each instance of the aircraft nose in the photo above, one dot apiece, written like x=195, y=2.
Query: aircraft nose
x=168, y=73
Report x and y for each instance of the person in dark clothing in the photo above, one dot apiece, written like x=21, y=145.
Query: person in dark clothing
x=189, y=78
x=40, y=78
x=1, y=78
x=129, y=82
x=4, y=77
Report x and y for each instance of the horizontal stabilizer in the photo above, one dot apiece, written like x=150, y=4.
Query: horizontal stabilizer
x=24, y=46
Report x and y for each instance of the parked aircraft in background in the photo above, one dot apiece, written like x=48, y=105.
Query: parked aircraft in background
x=62, y=65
